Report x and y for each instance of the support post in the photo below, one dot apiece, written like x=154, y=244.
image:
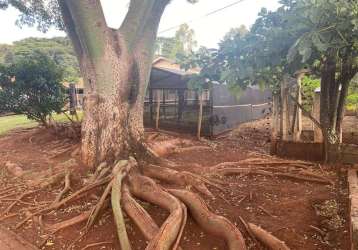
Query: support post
x=298, y=118
x=200, y=116
x=252, y=112
x=157, y=113
x=284, y=110
x=151, y=104
x=317, y=132
x=275, y=122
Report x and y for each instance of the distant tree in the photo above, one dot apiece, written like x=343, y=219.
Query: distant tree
x=59, y=49
x=183, y=43
x=165, y=46
x=185, y=40
x=32, y=86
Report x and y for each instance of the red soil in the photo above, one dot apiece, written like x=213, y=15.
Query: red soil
x=287, y=208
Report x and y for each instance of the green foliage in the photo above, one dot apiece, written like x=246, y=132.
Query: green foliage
x=309, y=84
x=352, y=99
x=59, y=49
x=32, y=86
x=300, y=34
x=40, y=13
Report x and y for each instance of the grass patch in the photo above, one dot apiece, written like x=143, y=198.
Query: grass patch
x=8, y=123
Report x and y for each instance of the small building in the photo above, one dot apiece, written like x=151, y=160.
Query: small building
x=179, y=105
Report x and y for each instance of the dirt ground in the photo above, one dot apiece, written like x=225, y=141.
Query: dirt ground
x=305, y=215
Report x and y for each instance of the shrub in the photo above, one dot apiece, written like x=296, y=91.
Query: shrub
x=32, y=86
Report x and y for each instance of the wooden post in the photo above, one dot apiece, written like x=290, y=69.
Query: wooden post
x=298, y=119
x=284, y=110
x=200, y=116
x=151, y=104
x=252, y=112
x=157, y=109
x=274, y=117
x=275, y=123
x=317, y=132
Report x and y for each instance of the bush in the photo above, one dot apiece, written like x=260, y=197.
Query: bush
x=352, y=101
x=32, y=86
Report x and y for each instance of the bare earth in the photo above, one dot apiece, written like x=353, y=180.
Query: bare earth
x=305, y=215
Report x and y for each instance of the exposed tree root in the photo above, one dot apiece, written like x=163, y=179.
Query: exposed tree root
x=308, y=176
x=164, y=148
x=180, y=178
x=267, y=238
x=119, y=174
x=192, y=148
x=98, y=171
x=8, y=216
x=127, y=180
x=64, y=201
x=246, y=171
x=95, y=211
x=146, y=189
x=47, y=181
x=66, y=188
x=137, y=213
x=70, y=222
x=8, y=209
x=212, y=223
x=243, y=222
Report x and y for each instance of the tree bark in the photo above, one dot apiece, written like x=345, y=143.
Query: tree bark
x=332, y=100
x=115, y=65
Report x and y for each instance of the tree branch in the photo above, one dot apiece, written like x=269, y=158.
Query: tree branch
x=305, y=112
x=140, y=15
x=90, y=25
x=70, y=28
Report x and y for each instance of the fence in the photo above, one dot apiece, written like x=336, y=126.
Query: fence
x=228, y=117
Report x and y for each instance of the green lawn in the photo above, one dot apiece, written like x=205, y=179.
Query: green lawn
x=8, y=123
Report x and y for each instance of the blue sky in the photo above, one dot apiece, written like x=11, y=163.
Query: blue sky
x=208, y=30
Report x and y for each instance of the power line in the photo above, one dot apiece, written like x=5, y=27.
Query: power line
x=204, y=16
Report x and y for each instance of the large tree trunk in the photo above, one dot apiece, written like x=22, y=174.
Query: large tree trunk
x=333, y=95
x=116, y=66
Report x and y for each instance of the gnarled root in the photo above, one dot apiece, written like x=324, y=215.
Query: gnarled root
x=137, y=213
x=267, y=238
x=146, y=189
x=180, y=178
x=119, y=173
x=212, y=223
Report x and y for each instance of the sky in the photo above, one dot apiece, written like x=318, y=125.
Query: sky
x=208, y=30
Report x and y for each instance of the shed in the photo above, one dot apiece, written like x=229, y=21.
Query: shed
x=179, y=105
